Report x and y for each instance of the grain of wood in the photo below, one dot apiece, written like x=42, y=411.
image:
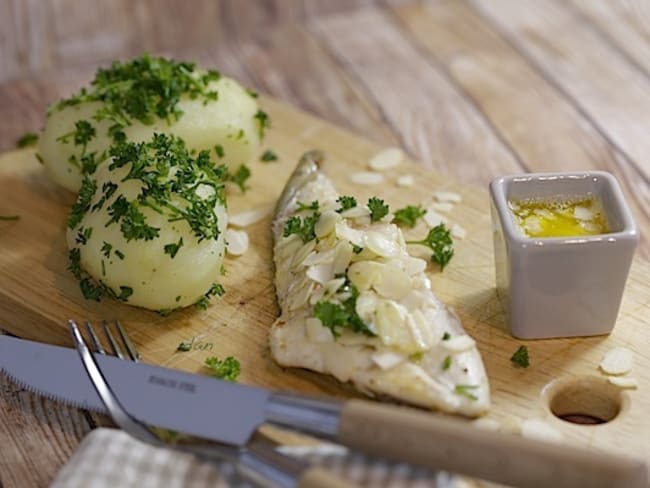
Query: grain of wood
x=37, y=436
x=600, y=82
x=437, y=123
x=624, y=24
x=536, y=121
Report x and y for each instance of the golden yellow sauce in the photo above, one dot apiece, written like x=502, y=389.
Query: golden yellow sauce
x=561, y=216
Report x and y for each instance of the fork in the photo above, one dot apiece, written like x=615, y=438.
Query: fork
x=258, y=463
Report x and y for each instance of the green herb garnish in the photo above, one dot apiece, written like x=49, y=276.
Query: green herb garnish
x=439, y=241
x=81, y=206
x=520, y=358
x=263, y=122
x=343, y=315
x=268, y=156
x=465, y=390
x=215, y=290
x=314, y=206
x=346, y=202
x=184, y=346
x=446, y=363
x=9, y=217
x=378, y=209
x=218, y=149
x=240, y=176
x=446, y=336
x=173, y=248
x=125, y=293
x=27, y=139
x=225, y=369
x=409, y=215
x=302, y=227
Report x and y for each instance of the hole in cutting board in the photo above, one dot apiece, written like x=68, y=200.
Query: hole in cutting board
x=584, y=400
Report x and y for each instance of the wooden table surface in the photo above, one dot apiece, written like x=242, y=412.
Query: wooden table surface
x=473, y=89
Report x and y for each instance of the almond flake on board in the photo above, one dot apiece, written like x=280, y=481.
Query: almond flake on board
x=405, y=181
x=617, y=361
x=250, y=217
x=386, y=159
x=367, y=178
x=237, y=241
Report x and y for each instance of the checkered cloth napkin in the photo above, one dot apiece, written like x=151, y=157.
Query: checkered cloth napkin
x=109, y=458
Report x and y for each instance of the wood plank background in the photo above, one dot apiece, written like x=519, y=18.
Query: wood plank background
x=474, y=89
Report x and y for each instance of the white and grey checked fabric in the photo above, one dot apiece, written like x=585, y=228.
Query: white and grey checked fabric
x=109, y=458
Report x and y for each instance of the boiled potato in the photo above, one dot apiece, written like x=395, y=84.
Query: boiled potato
x=230, y=121
x=172, y=269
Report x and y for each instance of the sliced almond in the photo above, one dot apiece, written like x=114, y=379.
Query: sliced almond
x=237, y=242
x=405, y=181
x=381, y=244
x=459, y=344
x=442, y=206
x=458, y=232
x=344, y=231
x=624, y=382
x=355, y=212
x=250, y=217
x=583, y=213
x=321, y=273
x=617, y=361
x=326, y=223
x=392, y=282
x=364, y=274
x=386, y=159
x=387, y=359
x=432, y=218
x=447, y=196
x=367, y=178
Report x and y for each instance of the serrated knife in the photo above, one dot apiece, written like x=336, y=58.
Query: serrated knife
x=230, y=413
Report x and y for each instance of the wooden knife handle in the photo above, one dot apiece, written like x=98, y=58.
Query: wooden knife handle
x=434, y=442
x=316, y=477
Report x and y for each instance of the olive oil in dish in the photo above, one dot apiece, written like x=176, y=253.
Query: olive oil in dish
x=559, y=216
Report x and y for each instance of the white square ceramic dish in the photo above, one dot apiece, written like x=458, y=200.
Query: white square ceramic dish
x=561, y=286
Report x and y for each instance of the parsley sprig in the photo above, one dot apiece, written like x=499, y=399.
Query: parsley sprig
x=27, y=139
x=439, y=241
x=409, y=215
x=336, y=316
x=520, y=358
x=346, y=203
x=225, y=369
x=303, y=227
x=378, y=209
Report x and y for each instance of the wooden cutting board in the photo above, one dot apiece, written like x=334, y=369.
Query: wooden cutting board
x=38, y=294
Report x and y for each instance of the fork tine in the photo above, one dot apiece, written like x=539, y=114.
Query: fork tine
x=93, y=336
x=130, y=347
x=117, y=350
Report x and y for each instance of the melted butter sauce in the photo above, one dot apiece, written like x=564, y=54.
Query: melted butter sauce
x=560, y=216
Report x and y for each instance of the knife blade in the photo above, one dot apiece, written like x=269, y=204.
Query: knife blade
x=229, y=413
x=154, y=395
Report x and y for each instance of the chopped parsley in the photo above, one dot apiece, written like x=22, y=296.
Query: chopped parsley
x=27, y=139
x=218, y=149
x=409, y=215
x=263, y=122
x=203, y=302
x=119, y=254
x=184, y=346
x=446, y=336
x=520, y=358
x=302, y=227
x=83, y=235
x=106, y=249
x=356, y=249
x=268, y=156
x=446, y=363
x=312, y=206
x=439, y=241
x=9, y=217
x=172, y=249
x=125, y=293
x=378, y=209
x=75, y=262
x=225, y=369
x=144, y=89
x=336, y=316
x=465, y=390
x=346, y=202
x=239, y=177
x=81, y=206
x=90, y=290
